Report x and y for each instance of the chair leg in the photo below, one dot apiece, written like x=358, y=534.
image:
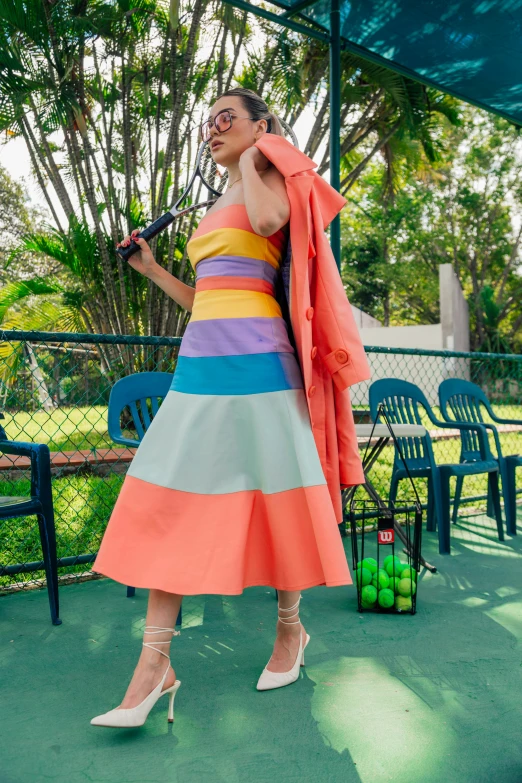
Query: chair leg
x=431, y=509
x=43, y=488
x=442, y=497
x=48, y=542
x=510, y=502
x=495, y=497
x=490, y=507
x=131, y=591
x=456, y=500
x=431, y=520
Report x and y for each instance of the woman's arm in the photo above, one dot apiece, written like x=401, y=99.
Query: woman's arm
x=145, y=263
x=266, y=199
x=181, y=293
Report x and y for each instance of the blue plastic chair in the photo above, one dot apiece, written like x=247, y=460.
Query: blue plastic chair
x=135, y=393
x=462, y=401
x=39, y=504
x=404, y=403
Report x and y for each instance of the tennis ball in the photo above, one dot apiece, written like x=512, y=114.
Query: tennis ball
x=393, y=567
x=381, y=580
x=403, y=603
x=368, y=596
x=370, y=564
x=409, y=573
x=386, y=598
x=407, y=587
x=364, y=577
x=387, y=560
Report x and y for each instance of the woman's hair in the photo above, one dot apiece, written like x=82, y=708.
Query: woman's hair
x=257, y=108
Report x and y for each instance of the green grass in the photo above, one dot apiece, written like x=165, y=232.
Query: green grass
x=64, y=429
x=82, y=506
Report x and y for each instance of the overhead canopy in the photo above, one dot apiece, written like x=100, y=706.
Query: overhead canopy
x=469, y=48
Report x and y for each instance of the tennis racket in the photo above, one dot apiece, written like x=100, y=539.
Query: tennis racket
x=209, y=178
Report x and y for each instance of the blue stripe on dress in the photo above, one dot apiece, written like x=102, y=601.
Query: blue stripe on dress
x=248, y=374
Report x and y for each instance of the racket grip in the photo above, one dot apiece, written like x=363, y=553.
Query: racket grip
x=147, y=234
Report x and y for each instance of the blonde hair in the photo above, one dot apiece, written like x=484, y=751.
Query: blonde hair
x=257, y=108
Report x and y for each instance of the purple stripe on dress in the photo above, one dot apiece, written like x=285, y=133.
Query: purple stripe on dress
x=239, y=266
x=235, y=336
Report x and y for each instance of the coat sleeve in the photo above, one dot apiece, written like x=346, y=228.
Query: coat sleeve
x=335, y=331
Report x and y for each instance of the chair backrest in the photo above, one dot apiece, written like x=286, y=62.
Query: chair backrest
x=404, y=403
x=462, y=401
x=136, y=392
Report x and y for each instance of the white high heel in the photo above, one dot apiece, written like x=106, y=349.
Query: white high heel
x=268, y=679
x=136, y=716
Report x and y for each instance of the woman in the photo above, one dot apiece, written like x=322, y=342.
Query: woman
x=218, y=496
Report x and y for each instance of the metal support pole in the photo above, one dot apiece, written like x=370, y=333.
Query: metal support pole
x=335, y=121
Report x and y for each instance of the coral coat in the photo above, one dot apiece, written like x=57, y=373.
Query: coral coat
x=329, y=348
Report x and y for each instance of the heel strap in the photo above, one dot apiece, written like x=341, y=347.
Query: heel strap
x=286, y=620
x=150, y=645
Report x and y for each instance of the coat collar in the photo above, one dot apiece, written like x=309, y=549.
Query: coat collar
x=291, y=162
x=282, y=153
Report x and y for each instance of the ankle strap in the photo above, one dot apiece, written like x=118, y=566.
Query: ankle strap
x=150, y=645
x=286, y=620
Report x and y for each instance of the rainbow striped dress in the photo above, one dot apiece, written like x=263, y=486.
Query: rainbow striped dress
x=226, y=489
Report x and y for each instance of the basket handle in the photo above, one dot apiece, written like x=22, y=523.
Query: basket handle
x=381, y=411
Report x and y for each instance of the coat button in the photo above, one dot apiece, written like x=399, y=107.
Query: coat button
x=313, y=353
x=341, y=356
x=310, y=313
x=311, y=391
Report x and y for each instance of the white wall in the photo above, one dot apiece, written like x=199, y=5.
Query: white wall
x=362, y=319
x=427, y=372
x=428, y=337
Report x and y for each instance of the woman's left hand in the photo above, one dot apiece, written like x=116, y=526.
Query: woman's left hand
x=256, y=156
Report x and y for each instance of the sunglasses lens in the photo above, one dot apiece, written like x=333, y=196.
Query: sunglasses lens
x=223, y=121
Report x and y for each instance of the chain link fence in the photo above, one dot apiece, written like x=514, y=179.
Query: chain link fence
x=54, y=389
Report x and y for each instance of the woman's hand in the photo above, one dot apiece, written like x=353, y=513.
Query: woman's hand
x=142, y=261
x=255, y=155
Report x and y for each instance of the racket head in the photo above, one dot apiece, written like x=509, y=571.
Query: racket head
x=214, y=178
x=288, y=131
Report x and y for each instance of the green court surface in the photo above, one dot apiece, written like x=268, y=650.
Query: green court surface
x=430, y=698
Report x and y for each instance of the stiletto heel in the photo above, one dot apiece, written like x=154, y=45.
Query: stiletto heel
x=306, y=642
x=171, y=706
x=268, y=679
x=136, y=716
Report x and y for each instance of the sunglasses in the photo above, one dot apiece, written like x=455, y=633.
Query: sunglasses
x=223, y=122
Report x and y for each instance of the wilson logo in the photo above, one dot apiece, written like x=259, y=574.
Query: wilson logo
x=386, y=536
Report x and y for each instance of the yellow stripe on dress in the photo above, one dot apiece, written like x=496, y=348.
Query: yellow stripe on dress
x=233, y=241
x=226, y=303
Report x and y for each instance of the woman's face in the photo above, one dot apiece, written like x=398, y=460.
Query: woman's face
x=226, y=147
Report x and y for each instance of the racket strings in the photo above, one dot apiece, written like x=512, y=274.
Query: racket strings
x=210, y=173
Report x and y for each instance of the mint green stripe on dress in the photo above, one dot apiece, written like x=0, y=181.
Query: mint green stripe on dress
x=230, y=443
